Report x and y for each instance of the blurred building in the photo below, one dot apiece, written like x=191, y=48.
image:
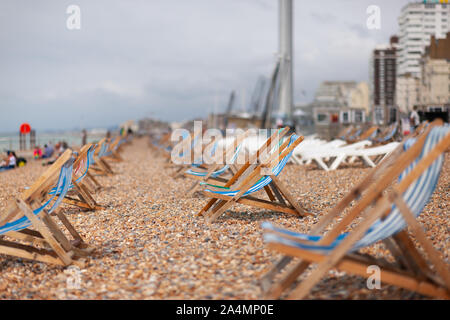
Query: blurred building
x=419, y=21
x=150, y=126
x=339, y=103
x=234, y=120
x=407, y=92
x=383, y=75
x=303, y=117
x=435, y=81
x=129, y=125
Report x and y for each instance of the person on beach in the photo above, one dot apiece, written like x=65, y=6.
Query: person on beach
x=60, y=147
x=48, y=151
x=10, y=161
x=84, y=138
x=414, y=118
x=37, y=153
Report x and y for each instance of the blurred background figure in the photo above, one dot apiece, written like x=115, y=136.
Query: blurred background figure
x=37, y=153
x=48, y=151
x=84, y=138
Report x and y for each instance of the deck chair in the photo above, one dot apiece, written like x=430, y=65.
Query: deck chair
x=345, y=133
x=366, y=135
x=161, y=143
x=420, y=128
x=386, y=136
x=190, y=141
x=354, y=134
x=380, y=214
x=212, y=172
x=112, y=154
x=100, y=166
x=78, y=187
x=253, y=177
x=27, y=226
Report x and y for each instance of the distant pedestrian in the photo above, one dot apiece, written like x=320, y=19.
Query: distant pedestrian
x=84, y=138
x=414, y=118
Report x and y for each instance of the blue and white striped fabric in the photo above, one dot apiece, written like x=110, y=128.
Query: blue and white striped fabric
x=103, y=150
x=63, y=184
x=107, y=152
x=184, y=136
x=416, y=197
x=373, y=135
x=219, y=171
x=356, y=135
x=265, y=180
x=390, y=135
x=346, y=133
x=199, y=161
x=89, y=160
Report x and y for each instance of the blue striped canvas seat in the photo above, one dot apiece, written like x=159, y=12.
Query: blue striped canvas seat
x=107, y=152
x=265, y=180
x=356, y=135
x=347, y=132
x=62, y=186
x=199, y=161
x=416, y=197
x=103, y=150
x=219, y=171
x=89, y=161
x=389, y=136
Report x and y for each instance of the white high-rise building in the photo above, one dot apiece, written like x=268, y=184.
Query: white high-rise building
x=418, y=22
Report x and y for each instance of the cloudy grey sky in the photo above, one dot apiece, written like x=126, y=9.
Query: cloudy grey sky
x=171, y=59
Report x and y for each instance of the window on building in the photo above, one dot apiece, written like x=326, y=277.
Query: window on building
x=345, y=117
x=322, y=118
x=379, y=115
x=359, y=116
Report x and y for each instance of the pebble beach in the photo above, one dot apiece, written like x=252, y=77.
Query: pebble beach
x=150, y=244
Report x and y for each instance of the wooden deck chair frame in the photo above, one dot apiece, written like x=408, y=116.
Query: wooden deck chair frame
x=345, y=132
x=101, y=167
x=113, y=148
x=159, y=146
x=363, y=136
x=85, y=199
x=411, y=270
x=420, y=128
x=180, y=168
x=45, y=241
x=387, y=131
x=226, y=154
x=248, y=175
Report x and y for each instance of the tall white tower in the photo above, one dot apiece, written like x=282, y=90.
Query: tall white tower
x=286, y=57
x=418, y=21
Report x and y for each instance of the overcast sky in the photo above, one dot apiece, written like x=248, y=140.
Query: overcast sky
x=170, y=59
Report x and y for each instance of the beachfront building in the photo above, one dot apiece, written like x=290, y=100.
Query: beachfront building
x=339, y=103
x=419, y=21
x=303, y=116
x=407, y=93
x=435, y=81
x=383, y=75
